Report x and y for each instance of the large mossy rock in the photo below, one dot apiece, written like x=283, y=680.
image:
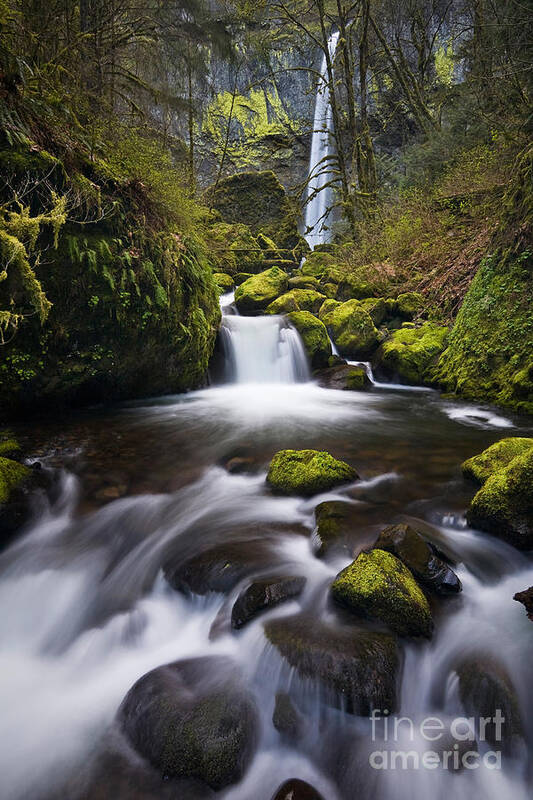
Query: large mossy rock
x=224, y=282
x=504, y=504
x=378, y=585
x=496, y=457
x=307, y=472
x=262, y=594
x=296, y=300
x=357, y=668
x=192, y=719
x=234, y=249
x=12, y=476
x=303, y=282
x=316, y=263
x=352, y=287
x=352, y=329
x=346, y=377
x=259, y=200
x=255, y=294
x=412, y=353
x=408, y=305
x=410, y=547
x=314, y=336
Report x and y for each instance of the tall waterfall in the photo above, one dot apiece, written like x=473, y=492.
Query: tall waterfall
x=316, y=212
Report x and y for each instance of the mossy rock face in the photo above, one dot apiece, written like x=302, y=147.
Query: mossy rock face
x=410, y=547
x=296, y=300
x=498, y=456
x=326, y=307
x=192, y=719
x=255, y=294
x=355, y=668
x=409, y=305
x=307, y=472
x=352, y=329
x=504, y=504
x=378, y=585
x=233, y=249
x=262, y=594
x=12, y=475
x=303, y=282
x=345, y=377
x=353, y=288
x=295, y=789
x=412, y=353
x=224, y=282
x=314, y=337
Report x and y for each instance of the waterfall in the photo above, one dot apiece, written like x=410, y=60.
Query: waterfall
x=316, y=213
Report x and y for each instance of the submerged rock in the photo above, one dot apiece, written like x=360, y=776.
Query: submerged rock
x=296, y=300
x=526, y=598
x=337, y=529
x=498, y=456
x=411, y=353
x=264, y=593
x=286, y=717
x=504, y=504
x=379, y=586
x=345, y=377
x=314, y=336
x=295, y=789
x=411, y=548
x=255, y=294
x=192, y=719
x=352, y=329
x=357, y=668
x=307, y=472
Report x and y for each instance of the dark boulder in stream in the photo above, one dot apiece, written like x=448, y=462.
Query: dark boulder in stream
x=338, y=529
x=526, y=598
x=355, y=667
x=192, y=719
x=262, y=594
x=345, y=377
x=409, y=546
x=296, y=789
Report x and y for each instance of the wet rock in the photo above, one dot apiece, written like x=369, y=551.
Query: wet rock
x=262, y=594
x=411, y=354
x=338, y=529
x=296, y=300
x=355, y=667
x=526, y=598
x=352, y=329
x=192, y=719
x=18, y=485
x=379, y=586
x=345, y=377
x=286, y=717
x=307, y=472
x=314, y=337
x=496, y=457
x=239, y=464
x=255, y=294
x=504, y=504
x=218, y=568
x=295, y=789
x=410, y=547
x=485, y=687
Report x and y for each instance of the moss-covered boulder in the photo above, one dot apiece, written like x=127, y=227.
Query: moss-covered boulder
x=326, y=307
x=296, y=300
x=345, y=377
x=411, y=354
x=303, y=282
x=352, y=329
x=355, y=668
x=379, y=586
x=224, y=282
x=498, y=456
x=376, y=307
x=255, y=294
x=12, y=475
x=307, y=472
x=316, y=263
x=504, y=504
x=409, y=305
x=240, y=277
x=352, y=287
x=262, y=594
x=233, y=248
x=314, y=337
x=411, y=548
x=192, y=719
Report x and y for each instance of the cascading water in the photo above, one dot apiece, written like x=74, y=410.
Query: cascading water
x=317, y=211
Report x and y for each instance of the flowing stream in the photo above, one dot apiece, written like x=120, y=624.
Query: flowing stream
x=86, y=609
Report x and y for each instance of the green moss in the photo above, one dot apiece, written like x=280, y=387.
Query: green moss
x=307, y=472
x=12, y=474
x=314, y=337
x=352, y=329
x=224, y=282
x=296, y=300
x=489, y=350
x=409, y=304
x=327, y=306
x=316, y=263
x=377, y=584
x=234, y=249
x=303, y=282
x=21, y=161
x=258, y=292
x=353, y=288
x=240, y=277
x=411, y=353
x=376, y=307
x=495, y=457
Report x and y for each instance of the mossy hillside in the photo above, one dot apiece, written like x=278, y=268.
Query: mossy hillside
x=296, y=300
x=12, y=475
x=496, y=457
x=307, y=472
x=314, y=337
x=378, y=585
x=255, y=294
x=489, y=353
x=352, y=329
x=412, y=353
x=504, y=504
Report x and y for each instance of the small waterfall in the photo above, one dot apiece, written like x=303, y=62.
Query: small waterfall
x=316, y=213
x=262, y=350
